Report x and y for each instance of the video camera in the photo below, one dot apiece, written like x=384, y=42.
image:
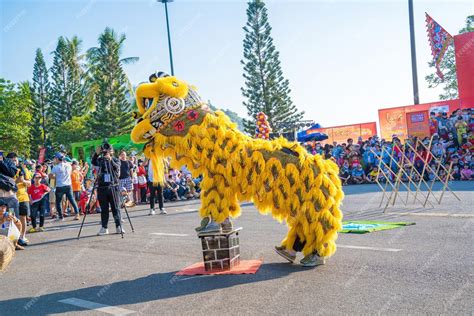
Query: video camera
x=105, y=147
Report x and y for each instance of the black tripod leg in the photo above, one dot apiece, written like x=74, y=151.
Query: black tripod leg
x=119, y=200
x=85, y=212
x=94, y=189
x=129, y=220
x=82, y=224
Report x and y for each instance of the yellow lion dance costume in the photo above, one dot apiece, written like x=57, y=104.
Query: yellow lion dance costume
x=278, y=176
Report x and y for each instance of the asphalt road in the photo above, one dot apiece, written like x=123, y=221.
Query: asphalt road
x=425, y=268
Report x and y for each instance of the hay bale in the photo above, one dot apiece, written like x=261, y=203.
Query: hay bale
x=7, y=251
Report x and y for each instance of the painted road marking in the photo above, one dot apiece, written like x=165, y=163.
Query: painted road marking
x=186, y=211
x=437, y=214
x=370, y=248
x=112, y=310
x=169, y=234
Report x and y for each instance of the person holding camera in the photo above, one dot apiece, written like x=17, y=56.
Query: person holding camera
x=107, y=187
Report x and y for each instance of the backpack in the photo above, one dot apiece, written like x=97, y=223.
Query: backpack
x=7, y=183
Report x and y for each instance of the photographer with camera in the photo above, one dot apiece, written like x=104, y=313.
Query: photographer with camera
x=107, y=186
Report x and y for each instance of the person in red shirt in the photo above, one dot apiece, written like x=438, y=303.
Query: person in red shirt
x=142, y=183
x=37, y=191
x=433, y=123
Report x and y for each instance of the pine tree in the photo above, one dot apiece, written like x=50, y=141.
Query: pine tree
x=112, y=115
x=266, y=90
x=69, y=95
x=40, y=91
x=448, y=68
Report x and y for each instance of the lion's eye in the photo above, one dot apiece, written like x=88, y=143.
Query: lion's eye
x=147, y=103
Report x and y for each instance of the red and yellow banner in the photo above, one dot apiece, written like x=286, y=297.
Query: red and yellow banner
x=341, y=133
x=418, y=124
x=393, y=121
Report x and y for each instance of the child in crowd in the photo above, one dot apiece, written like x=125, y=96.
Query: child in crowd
x=85, y=196
x=171, y=189
x=467, y=173
x=37, y=191
x=76, y=180
x=191, y=186
x=373, y=174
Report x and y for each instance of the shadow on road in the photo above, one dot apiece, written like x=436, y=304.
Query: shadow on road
x=150, y=288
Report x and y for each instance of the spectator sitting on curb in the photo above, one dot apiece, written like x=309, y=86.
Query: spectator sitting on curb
x=358, y=175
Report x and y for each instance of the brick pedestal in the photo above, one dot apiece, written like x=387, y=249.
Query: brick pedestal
x=221, y=251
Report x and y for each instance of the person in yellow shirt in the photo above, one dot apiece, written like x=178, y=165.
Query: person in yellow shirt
x=373, y=174
x=461, y=128
x=23, y=181
x=76, y=180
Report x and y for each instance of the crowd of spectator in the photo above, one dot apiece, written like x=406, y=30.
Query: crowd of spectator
x=63, y=187
x=452, y=144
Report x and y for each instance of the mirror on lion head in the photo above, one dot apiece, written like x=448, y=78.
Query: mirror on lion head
x=165, y=105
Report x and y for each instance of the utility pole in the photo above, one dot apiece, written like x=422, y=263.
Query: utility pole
x=414, y=73
x=169, y=36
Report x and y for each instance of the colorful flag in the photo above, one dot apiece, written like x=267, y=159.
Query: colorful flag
x=439, y=39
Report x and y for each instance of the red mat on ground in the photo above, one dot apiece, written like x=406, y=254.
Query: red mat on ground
x=245, y=267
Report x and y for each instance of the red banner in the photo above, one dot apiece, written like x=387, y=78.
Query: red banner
x=418, y=124
x=393, y=121
x=340, y=134
x=464, y=46
x=439, y=39
x=42, y=153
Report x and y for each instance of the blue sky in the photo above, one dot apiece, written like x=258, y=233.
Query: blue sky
x=344, y=59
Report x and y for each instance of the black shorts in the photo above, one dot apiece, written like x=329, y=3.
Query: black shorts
x=24, y=209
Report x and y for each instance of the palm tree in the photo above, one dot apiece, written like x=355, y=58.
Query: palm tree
x=109, y=42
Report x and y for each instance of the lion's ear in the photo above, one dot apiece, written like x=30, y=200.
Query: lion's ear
x=173, y=87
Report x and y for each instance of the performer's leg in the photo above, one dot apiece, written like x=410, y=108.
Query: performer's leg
x=159, y=192
x=152, y=195
x=298, y=245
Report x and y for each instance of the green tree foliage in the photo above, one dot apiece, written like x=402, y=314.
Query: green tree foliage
x=71, y=131
x=82, y=98
x=15, y=117
x=40, y=95
x=112, y=114
x=69, y=92
x=234, y=117
x=448, y=67
x=266, y=90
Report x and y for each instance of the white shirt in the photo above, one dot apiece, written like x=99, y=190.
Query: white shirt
x=62, y=171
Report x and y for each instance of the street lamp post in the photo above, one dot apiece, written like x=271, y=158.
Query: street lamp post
x=416, y=97
x=169, y=37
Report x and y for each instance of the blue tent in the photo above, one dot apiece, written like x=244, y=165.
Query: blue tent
x=303, y=136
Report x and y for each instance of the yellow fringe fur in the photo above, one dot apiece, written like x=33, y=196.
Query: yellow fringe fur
x=303, y=190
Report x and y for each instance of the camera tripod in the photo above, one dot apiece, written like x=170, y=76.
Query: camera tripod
x=115, y=195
